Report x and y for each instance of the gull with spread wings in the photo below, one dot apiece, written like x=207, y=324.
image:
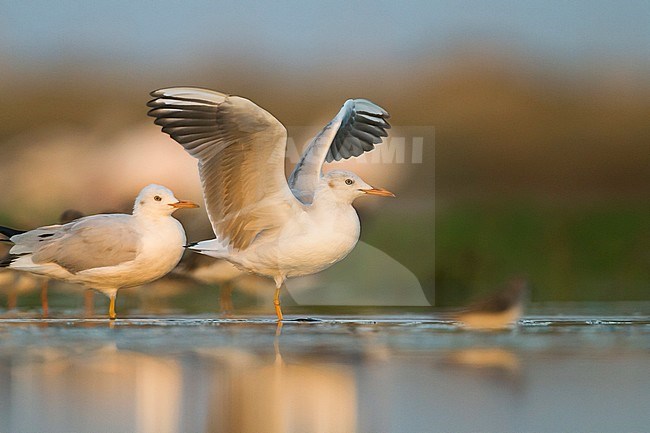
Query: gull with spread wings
x=263, y=223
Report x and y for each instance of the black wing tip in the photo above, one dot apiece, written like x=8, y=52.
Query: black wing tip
x=6, y=261
x=9, y=232
x=383, y=116
x=381, y=112
x=161, y=92
x=155, y=111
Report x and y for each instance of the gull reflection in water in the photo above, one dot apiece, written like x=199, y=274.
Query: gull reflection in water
x=485, y=358
x=104, y=387
x=279, y=396
x=99, y=390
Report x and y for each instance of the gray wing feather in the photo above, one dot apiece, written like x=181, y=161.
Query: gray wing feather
x=87, y=243
x=363, y=126
x=357, y=128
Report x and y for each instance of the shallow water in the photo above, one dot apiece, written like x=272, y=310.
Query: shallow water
x=389, y=373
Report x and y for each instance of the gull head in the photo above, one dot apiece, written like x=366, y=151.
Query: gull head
x=347, y=186
x=156, y=200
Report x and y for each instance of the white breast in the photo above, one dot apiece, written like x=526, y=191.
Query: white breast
x=309, y=243
x=161, y=248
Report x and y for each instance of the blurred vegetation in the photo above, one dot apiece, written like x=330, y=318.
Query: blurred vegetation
x=596, y=252
x=534, y=169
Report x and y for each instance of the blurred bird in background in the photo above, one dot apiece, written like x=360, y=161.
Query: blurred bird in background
x=209, y=270
x=499, y=310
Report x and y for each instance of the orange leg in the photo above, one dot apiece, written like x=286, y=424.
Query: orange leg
x=111, y=307
x=276, y=299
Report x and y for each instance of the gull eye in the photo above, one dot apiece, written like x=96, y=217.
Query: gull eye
x=349, y=181
x=157, y=197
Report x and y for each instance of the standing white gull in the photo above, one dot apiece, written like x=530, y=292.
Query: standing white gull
x=262, y=223
x=106, y=252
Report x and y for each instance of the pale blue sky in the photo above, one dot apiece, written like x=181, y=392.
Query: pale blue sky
x=307, y=34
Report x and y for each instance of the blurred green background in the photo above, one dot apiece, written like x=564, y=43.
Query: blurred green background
x=536, y=150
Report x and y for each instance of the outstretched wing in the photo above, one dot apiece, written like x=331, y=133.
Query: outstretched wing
x=359, y=125
x=241, y=150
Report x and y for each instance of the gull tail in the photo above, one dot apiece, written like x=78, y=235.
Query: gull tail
x=212, y=247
